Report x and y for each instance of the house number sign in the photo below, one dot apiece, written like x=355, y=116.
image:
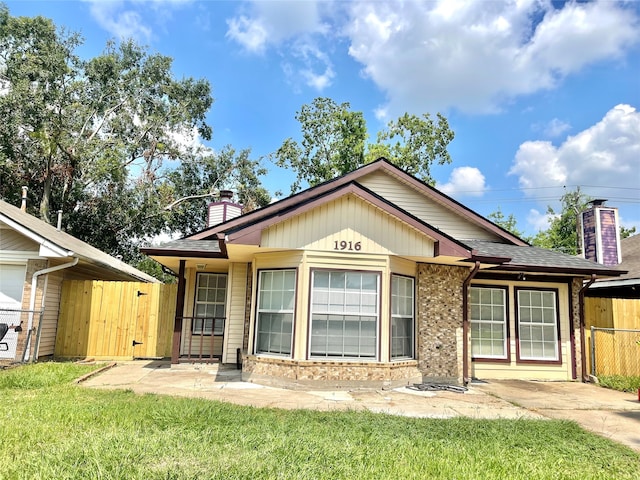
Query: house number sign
x=347, y=245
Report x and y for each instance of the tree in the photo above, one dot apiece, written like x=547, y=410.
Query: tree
x=334, y=143
x=197, y=181
x=333, y=140
x=95, y=138
x=562, y=234
x=413, y=143
x=627, y=232
x=508, y=223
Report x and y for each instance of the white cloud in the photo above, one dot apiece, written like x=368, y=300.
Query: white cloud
x=133, y=19
x=272, y=23
x=251, y=34
x=606, y=154
x=474, y=55
x=539, y=221
x=122, y=23
x=464, y=181
x=294, y=28
x=553, y=128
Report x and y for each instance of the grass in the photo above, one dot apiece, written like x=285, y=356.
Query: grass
x=50, y=428
x=619, y=382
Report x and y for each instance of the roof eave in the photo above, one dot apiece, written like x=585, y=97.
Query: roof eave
x=565, y=270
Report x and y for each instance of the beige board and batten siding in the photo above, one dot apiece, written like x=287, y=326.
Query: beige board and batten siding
x=50, y=315
x=350, y=225
x=524, y=371
x=12, y=242
x=236, y=305
x=426, y=209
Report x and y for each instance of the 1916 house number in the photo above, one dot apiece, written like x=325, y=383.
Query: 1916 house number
x=345, y=245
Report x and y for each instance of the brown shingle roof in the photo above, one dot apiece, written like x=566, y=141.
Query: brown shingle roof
x=68, y=245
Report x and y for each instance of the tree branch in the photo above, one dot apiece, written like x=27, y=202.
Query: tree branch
x=189, y=197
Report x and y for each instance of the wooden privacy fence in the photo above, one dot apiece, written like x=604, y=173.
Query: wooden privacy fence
x=615, y=354
x=115, y=320
x=615, y=351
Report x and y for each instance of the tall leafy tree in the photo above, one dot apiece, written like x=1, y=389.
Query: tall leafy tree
x=510, y=223
x=414, y=143
x=562, y=234
x=97, y=138
x=334, y=143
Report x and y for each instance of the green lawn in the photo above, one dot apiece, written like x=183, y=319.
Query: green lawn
x=619, y=382
x=52, y=429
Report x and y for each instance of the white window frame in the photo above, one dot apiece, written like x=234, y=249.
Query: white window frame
x=482, y=316
x=402, y=297
x=341, y=313
x=202, y=324
x=262, y=312
x=531, y=319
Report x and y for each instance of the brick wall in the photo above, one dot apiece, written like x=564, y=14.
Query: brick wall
x=328, y=375
x=439, y=319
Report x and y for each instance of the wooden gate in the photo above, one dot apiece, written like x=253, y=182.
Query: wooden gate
x=115, y=320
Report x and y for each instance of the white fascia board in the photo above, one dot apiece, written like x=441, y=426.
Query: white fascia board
x=47, y=248
x=615, y=283
x=17, y=256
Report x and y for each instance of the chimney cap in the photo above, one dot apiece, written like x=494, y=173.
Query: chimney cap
x=226, y=195
x=598, y=202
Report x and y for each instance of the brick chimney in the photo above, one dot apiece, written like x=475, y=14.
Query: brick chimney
x=601, y=234
x=224, y=209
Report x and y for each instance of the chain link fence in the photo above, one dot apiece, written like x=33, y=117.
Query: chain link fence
x=13, y=343
x=615, y=351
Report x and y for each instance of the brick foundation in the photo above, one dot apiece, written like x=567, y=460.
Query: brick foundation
x=323, y=375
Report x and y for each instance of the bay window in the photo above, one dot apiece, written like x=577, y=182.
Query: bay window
x=276, y=300
x=402, y=315
x=344, y=314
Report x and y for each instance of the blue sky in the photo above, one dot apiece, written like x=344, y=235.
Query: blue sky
x=543, y=96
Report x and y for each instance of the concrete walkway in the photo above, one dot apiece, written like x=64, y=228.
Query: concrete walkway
x=612, y=414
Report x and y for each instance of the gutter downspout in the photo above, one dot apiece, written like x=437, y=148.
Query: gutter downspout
x=583, y=343
x=32, y=300
x=465, y=323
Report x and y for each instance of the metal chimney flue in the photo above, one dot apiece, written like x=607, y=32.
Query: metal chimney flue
x=59, y=226
x=23, y=205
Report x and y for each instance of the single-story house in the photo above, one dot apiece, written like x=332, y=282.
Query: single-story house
x=375, y=279
x=35, y=258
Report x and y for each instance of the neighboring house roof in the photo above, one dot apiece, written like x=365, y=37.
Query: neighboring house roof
x=630, y=250
x=57, y=244
x=512, y=254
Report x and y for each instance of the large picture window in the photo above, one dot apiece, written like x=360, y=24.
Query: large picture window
x=402, y=308
x=537, y=325
x=488, y=322
x=211, y=296
x=344, y=314
x=276, y=300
